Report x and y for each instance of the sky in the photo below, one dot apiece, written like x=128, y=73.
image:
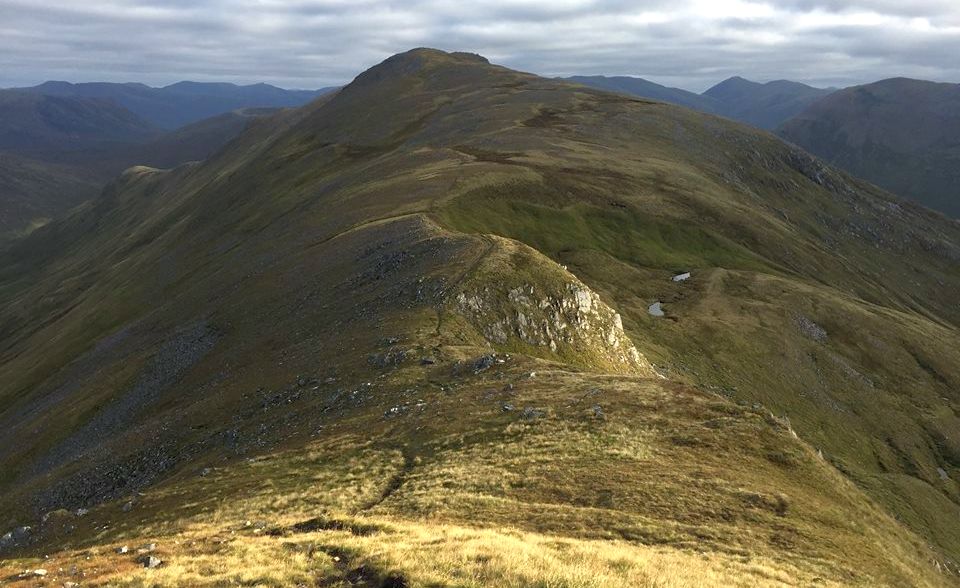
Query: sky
x=691, y=44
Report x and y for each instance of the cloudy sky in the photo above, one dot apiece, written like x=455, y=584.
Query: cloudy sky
x=313, y=43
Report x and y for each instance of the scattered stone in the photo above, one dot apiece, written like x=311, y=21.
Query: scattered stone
x=427, y=361
x=205, y=472
x=531, y=414
x=81, y=512
x=681, y=277
x=507, y=407
x=532, y=375
x=70, y=585
x=810, y=329
x=485, y=362
x=387, y=359
x=656, y=309
x=40, y=572
x=146, y=548
x=943, y=474
x=128, y=506
x=598, y=411
x=393, y=411
x=16, y=537
x=123, y=549
x=150, y=561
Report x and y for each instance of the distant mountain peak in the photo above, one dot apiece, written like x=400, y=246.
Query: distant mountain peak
x=730, y=86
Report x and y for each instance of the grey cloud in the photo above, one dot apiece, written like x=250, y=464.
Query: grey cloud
x=312, y=43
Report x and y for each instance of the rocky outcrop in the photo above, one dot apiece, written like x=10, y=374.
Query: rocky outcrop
x=519, y=297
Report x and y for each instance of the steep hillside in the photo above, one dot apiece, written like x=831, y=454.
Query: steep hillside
x=401, y=337
x=183, y=103
x=194, y=142
x=901, y=134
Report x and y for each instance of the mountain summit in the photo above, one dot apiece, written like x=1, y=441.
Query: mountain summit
x=405, y=336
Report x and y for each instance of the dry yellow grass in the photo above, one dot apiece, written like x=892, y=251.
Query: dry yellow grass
x=645, y=495
x=422, y=555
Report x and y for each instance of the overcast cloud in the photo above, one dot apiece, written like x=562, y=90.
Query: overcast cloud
x=314, y=43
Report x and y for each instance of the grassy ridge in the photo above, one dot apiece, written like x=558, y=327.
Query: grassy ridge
x=303, y=289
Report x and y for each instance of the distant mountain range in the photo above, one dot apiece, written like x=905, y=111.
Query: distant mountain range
x=36, y=122
x=57, y=151
x=647, y=89
x=762, y=105
x=182, y=103
x=901, y=134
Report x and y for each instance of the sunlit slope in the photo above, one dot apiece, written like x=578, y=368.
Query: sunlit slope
x=344, y=271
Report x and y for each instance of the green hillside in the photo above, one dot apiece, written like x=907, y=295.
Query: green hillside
x=401, y=338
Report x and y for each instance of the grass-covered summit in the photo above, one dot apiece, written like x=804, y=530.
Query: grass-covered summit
x=401, y=336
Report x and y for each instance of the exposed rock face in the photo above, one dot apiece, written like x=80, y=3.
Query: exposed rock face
x=538, y=303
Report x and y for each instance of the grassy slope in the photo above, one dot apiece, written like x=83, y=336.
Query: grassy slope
x=286, y=289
